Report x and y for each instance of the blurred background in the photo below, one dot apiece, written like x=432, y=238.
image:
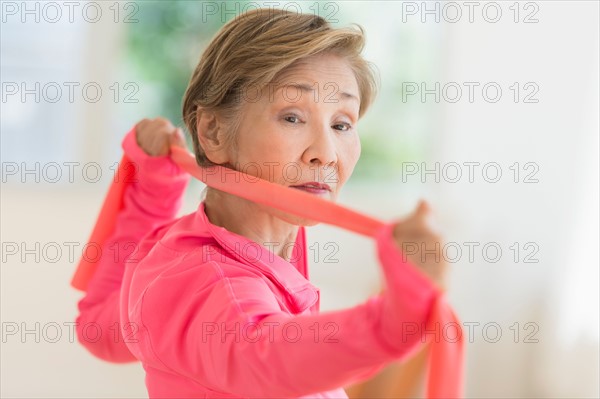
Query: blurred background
x=489, y=110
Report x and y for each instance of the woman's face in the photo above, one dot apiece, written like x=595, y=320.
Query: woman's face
x=302, y=128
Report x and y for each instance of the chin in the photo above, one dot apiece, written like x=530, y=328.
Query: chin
x=291, y=218
x=296, y=220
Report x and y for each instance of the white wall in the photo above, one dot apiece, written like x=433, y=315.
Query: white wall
x=559, y=214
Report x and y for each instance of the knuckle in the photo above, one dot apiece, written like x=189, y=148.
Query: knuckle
x=142, y=125
x=162, y=122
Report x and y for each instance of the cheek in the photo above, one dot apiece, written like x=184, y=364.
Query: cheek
x=266, y=142
x=271, y=160
x=254, y=145
x=357, y=150
x=349, y=158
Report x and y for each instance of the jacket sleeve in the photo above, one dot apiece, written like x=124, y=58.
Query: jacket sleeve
x=152, y=198
x=231, y=335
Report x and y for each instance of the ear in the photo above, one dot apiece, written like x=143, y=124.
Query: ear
x=211, y=135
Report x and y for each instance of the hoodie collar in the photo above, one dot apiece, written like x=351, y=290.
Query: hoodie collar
x=292, y=276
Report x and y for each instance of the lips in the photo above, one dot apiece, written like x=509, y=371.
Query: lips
x=313, y=186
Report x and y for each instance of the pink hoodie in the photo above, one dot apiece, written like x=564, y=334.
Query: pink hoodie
x=213, y=314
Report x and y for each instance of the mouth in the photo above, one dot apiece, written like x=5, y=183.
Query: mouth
x=314, y=187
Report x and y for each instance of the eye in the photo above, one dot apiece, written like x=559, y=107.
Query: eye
x=292, y=118
x=344, y=126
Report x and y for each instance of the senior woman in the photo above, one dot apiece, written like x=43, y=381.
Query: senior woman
x=218, y=303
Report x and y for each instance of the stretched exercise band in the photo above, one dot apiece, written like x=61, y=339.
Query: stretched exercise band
x=445, y=364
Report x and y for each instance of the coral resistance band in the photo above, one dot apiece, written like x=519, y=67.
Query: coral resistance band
x=445, y=364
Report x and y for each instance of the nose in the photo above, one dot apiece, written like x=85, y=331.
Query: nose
x=322, y=149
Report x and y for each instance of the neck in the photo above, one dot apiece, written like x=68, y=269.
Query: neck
x=250, y=220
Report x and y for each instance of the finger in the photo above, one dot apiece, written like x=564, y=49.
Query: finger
x=164, y=123
x=177, y=138
x=423, y=206
x=140, y=125
x=423, y=210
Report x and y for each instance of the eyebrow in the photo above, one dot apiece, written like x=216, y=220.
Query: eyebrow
x=308, y=88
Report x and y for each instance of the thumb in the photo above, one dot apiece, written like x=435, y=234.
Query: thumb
x=423, y=208
x=422, y=213
x=177, y=138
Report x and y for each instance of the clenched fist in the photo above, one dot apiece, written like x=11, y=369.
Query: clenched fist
x=155, y=136
x=421, y=245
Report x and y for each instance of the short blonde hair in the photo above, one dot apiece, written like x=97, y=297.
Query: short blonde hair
x=251, y=50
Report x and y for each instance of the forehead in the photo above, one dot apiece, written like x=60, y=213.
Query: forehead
x=328, y=73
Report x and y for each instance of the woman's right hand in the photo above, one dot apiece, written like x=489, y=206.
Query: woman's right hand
x=421, y=245
x=155, y=136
